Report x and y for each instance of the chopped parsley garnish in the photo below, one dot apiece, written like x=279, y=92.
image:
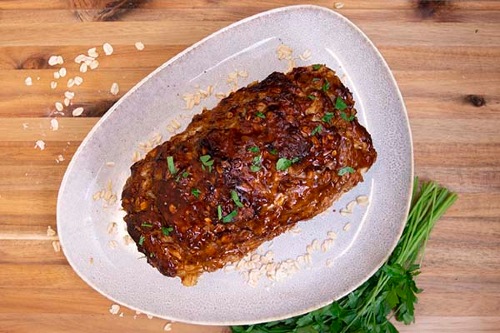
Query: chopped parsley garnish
x=185, y=174
x=344, y=116
x=236, y=198
x=146, y=225
x=171, y=165
x=326, y=86
x=229, y=217
x=345, y=170
x=206, y=161
x=284, y=163
x=166, y=230
x=196, y=192
x=340, y=104
x=327, y=117
x=219, y=212
x=311, y=97
x=254, y=149
x=260, y=115
x=317, y=130
x=256, y=163
x=316, y=79
x=141, y=240
x=273, y=151
x=316, y=67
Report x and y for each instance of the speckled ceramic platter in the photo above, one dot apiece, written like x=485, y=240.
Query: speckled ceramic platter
x=344, y=249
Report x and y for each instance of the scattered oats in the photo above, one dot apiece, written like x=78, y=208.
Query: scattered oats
x=243, y=73
x=69, y=94
x=291, y=65
x=175, y=124
x=60, y=60
x=71, y=83
x=53, y=60
x=28, y=81
x=327, y=244
x=114, y=88
x=210, y=89
x=295, y=231
x=114, y=309
x=110, y=164
x=40, y=144
x=54, y=124
x=128, y=240
x=67, y=101
x=347, y=227
x=93, y=52
x=60, y=158
x=167, y=327
x=350, y=206
x=25, y=126
x=59, y=106
x=62, y=72
x=80, y=58
x=56, y=246
x=284, y=52
x=309, y=249
x=121, y=315
x=306, y=55
x=77, y=112
x=220, y=95
x=78, y=80
x=53, y=85
x=338, y=5
x=345, y=212
x=331, y=235
x=362, y=200
x=112, y=228
x=97, y=196
x=136, y=156
x=139, y=46
x=83, y=67
x=149, y=316
x=107, y=48
x=112, y=244
x=94, y=64
x=329, y=263
x=315, y=245
x=50, y=231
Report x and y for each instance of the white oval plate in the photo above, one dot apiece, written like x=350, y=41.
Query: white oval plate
x=365, y=238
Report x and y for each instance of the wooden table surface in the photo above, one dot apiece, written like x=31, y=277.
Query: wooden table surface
x=445, y=56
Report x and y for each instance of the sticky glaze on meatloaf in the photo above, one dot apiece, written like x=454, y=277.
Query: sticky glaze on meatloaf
x=269, y=155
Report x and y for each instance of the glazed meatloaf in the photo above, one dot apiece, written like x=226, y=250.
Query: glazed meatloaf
x=267, y=156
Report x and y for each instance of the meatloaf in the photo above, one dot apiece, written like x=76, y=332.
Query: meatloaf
x=267, y=156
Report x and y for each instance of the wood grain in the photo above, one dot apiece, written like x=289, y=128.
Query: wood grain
x=439, y=55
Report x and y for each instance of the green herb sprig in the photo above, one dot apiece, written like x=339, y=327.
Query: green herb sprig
x=390, y=292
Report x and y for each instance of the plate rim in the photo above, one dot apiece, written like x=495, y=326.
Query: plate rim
x=189, y=49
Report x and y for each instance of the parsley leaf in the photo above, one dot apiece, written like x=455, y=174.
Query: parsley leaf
x=141, y=240
x=317, y=130
x=284, y=163
x=166, y=230
x=254, y=149
x=326, y=86
x=316, y=67
x=236, y=198
x=196, y=192
x=229, y=217
x=219, y=212
x=311, y=97
x=171, y=165
x=256, y=163
x=344, y=116
x=327, y=117
x=340, y=104
x=146, y=225
x=260, y=115
x=206, y=161
x=345, y=170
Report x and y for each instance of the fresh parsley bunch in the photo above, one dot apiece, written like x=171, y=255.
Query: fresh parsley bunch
x=390, y=292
